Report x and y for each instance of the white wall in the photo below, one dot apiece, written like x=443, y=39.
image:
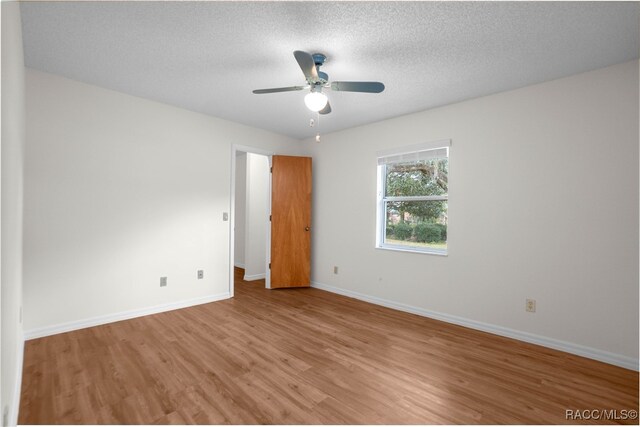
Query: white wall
x=118, y=192
x=543, y=204
x=13, y=141
x=240, y=212
x=257, y=204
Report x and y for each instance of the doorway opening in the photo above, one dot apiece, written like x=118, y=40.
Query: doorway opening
x=250, y=231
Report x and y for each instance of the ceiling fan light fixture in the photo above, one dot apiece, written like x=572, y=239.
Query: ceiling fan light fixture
x=315, y=101
x=316, y=80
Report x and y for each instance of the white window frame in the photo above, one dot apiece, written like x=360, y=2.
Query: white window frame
x=405, y=154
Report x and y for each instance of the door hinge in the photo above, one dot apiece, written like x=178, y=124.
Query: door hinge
x=269, y=217
x=271, y=169
x=269, y=266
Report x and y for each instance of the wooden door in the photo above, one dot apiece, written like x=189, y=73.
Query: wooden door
x=291, y=222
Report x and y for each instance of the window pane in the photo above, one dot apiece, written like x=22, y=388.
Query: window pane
x=420, y=225
x=422, y=178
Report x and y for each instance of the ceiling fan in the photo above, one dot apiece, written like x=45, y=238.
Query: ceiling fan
x=315, y=100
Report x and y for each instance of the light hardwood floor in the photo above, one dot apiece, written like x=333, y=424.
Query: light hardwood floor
x=302, y=356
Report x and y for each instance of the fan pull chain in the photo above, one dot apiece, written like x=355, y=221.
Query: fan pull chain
x=318, y=121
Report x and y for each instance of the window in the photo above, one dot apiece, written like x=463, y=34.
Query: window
x=413, y=195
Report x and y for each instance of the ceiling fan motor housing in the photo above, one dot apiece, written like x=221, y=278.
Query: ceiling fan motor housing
x=323, y=78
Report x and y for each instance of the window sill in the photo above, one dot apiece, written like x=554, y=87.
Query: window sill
x=411, y=250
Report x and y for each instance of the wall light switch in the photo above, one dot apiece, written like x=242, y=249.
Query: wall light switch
x=225, y=216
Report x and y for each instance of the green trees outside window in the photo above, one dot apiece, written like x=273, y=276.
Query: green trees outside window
x=415, y=204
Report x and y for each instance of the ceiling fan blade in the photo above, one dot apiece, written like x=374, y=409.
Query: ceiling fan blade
x=369, y=87
x=307, y=64
x=280, y=89
x=326, y=109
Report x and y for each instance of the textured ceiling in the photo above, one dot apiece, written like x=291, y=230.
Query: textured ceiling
x=208, y=56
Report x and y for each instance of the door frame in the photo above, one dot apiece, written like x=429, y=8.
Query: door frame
x=232, y=214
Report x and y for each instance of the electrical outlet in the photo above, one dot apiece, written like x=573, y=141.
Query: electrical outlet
x=335, y=270
x=200, y=274
x=531, y=305
x=163, y=282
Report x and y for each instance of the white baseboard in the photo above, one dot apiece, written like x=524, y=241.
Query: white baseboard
x=577, y=349
x=116, y=317
x=17, y=387
x=254, y=277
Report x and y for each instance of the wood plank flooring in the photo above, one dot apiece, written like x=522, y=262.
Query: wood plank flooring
x=305, y=356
